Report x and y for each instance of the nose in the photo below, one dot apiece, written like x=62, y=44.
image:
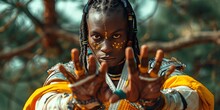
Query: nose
x=106, y=47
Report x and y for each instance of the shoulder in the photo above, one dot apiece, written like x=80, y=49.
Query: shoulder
x=55, y=75
x=68, y=66
x=166, y=63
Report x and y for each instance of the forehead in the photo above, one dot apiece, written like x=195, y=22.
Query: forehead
x=111, y=17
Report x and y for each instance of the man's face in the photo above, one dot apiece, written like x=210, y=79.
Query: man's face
x=107, y=36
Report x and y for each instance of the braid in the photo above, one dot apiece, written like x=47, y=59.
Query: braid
x=106, y=5
x=83, y=36
x=83, y=43
x=132, y=23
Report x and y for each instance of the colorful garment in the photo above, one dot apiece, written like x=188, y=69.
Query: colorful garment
x=180, y=91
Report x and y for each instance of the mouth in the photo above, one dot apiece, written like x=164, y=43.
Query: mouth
x=107, y=58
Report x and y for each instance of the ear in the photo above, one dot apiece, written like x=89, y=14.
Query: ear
x=129, y=44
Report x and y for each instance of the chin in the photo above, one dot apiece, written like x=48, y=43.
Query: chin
x=111, y=64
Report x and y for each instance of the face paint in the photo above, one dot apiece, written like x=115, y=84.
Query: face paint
x=103, y=31
x=118, y=45
x=106, y=33
x=96, y=45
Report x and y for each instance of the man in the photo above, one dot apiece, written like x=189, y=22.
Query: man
x=110, y=73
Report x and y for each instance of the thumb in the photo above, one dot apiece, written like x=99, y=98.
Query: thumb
x=118, y=94
x=114, y=98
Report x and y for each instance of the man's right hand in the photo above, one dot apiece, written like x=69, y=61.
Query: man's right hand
x=86, y=86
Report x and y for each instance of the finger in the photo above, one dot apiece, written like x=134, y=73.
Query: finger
x=75, y=59
x=169, y=71
x=105, y=93
x=100, y=77
x=94, y=78
x=131, y=61
x=114, y=98
x=143, y=56
x=102, y=71
x=67, y=74
x=82, y=82
x=92, y=64
x=143, y=67
x=77, y=64
x=158, y=61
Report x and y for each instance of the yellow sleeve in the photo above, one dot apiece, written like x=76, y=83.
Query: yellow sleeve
x=206, y=97
x=59, y=87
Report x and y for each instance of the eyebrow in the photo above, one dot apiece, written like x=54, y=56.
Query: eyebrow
x=118, y=30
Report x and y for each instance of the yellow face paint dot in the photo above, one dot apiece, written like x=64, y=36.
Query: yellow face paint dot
x=118, y=44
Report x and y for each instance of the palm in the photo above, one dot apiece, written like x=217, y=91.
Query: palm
x=87, y=85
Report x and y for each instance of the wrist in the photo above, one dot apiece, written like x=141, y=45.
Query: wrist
x=153, y=104
x=149, y=102
x=88, y=104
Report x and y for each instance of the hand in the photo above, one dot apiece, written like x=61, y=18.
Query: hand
x=141, y=84
x=86, y=86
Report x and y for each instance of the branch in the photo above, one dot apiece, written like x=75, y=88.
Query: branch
x=50, y=18
x=5, y=27
x=5, y=12
x=19, y=50
x=61, y=34
x=182, y=42
x=24, y=9
x=198, y=65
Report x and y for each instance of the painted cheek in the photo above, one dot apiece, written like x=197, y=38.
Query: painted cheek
x=96, y=46
x=118, y=45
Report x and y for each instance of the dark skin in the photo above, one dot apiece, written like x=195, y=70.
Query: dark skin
x=105, y=29
x=107, y=37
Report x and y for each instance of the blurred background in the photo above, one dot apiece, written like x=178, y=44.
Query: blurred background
x=37, y=34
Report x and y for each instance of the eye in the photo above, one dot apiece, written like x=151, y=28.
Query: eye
x=116, y=36
x=96, y=37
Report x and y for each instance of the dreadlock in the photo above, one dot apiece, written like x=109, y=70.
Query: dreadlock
x=103, y=5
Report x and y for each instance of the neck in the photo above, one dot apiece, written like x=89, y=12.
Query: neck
x=116, y=70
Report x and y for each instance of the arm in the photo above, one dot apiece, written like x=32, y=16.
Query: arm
x=192, y=91
x=81, y=92
x=56, y=99
x=177, y=89
x=181, y=97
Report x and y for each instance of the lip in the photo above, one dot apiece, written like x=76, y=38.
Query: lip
x=107, y=58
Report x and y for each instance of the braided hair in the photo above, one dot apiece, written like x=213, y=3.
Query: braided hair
x=103, y=5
